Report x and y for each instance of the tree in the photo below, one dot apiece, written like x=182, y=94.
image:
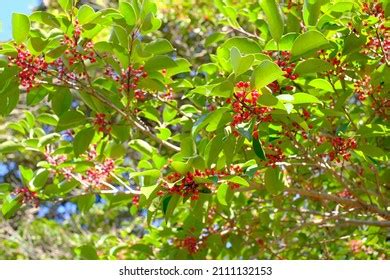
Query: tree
x=271, y=143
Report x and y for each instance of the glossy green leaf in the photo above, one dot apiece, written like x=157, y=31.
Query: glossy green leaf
x=240, y=63
x=308, y=43
x=258, y=149
x=274, y=18
x=70, y=119
x=266, y=73
x=82, y=140
x=20, y=27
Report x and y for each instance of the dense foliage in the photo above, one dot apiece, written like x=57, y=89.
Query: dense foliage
x=197, y=130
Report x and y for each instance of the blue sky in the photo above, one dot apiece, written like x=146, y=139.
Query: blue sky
x=7, y=7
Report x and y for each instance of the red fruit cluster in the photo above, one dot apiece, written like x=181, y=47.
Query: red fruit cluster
x=245, y=106
x=130, y=78
x=378, y=45
x=99, y=173
x=190, y=244
x=345, y=194
x=342, y=147
x=32, y=67
x=339, y=68
x=27, y=196
x=186, y=185
x=274, y=154
x=282, y=59
x=168, y=94
x=72, y=51
x=55, y=159
x=102, y=124
x=364, y=88
x=374, y=8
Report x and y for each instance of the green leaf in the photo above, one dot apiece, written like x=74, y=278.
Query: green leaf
x=159, y=62
x=20, y=27
x=40, y=178
x=321, y=84
x=224, y=89
x=180, y=167
x=26, y=173
x=285, y=43
x=154, y=173
x=85, y=202
x=86, y=14
x=222, y=193
x=10, y=206
x=45, y=18
x=82, y=140
x=240, y=64
x=9, y=96
x=55, y=53
x=213, y=148
x=10, y=147
x=61, y=100
x=36, y=45
x=311, y=11
x=48, y=139
x=258, y=148
x=128, y=12
x=141, y=146
x=266, y=73
x=214, y=38
x=164, y=133
x=274, y=18
x=374, y=152
x=302, y=98
x=273, y=180
x=308, y=43
x=87, y=252
x=238, y=180
x=70, y=119
x=48, y=119
x=159, y=46
x=169, y=205
x=36, y=95
x=66, y=5
x=312, y=65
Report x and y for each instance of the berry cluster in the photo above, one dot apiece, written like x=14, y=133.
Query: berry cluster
x=168, y=94
x=99, y=173
x=55, y=160
x=342, y=147
x=364, y=88
x=27, y=196
x=72, y=51
x=339, y=67
x=274, y=154
x=190, y=243
x=245, y=106
x=129, y=79
x=282, y=59
x=378, y=45
x=74, y=55
x=345, y=194
x=32, y=67
x=374, y=8
x=186, y=185
x=102, y=124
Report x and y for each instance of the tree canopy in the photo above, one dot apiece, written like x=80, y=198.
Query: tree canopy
x=196, y=130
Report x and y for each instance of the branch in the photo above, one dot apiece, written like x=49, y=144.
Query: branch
x=321, y=196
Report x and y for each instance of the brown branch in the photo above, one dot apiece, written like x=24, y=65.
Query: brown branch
x=321, y=196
